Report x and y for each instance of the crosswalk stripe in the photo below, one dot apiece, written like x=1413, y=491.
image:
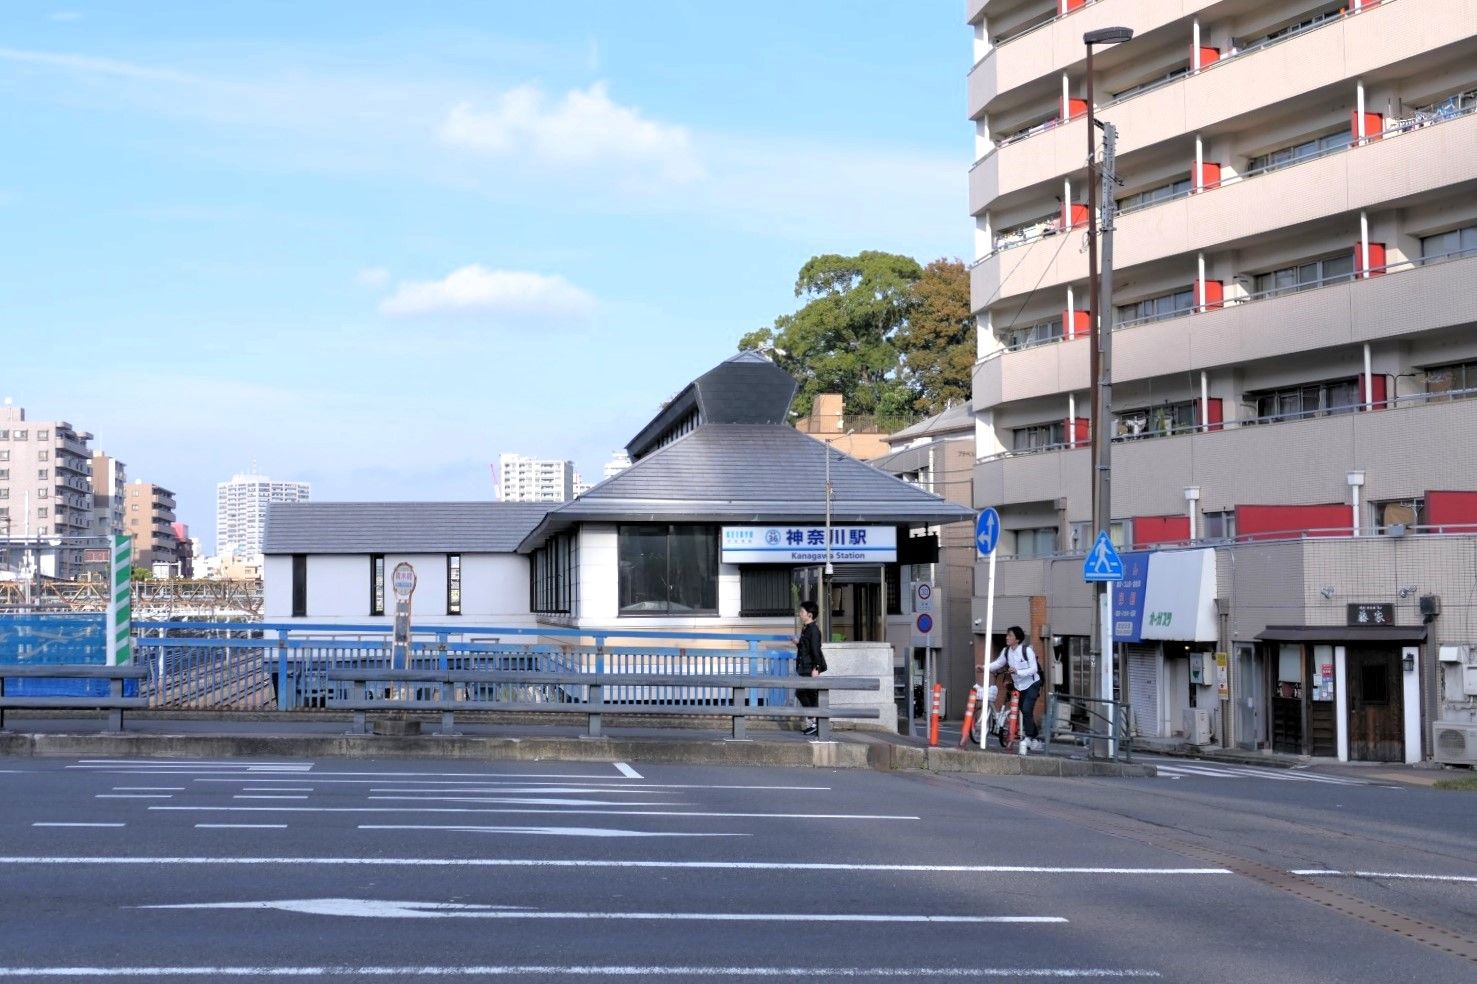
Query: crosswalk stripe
x=1229, y=771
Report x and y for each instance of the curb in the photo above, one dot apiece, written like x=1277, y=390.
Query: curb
x=820, y=755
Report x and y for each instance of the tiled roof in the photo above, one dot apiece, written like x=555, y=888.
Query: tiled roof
x=399, y=527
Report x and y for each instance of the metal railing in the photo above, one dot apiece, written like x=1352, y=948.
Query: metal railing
x=256, y=666
x=1093, y=722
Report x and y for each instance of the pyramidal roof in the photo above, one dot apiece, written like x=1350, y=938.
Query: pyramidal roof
x=743, y=389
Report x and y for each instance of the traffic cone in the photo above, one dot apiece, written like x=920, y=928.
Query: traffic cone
x=933, y=719
x=968, y=717
x=1013, y=722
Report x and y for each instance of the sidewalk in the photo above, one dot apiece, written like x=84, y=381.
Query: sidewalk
x=322, y=735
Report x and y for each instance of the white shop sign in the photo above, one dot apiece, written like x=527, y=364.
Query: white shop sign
x=807, y=544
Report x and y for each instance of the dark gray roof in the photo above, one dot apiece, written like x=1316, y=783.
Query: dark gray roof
x=958, y=419
x=744, y=389
x=399, y=527
x=749, y=473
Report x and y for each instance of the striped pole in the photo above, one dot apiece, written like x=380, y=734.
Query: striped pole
x=120, y=627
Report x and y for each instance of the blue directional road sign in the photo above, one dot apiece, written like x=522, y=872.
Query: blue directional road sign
x=1102, y=562
x=987, y=532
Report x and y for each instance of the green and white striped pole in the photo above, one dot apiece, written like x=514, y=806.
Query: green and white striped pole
x=120, y=603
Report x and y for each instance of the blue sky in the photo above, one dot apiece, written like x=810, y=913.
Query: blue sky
x=372, y=245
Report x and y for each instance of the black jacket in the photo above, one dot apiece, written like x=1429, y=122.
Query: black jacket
x=808, y=654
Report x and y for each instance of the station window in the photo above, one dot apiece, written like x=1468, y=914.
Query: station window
x=668, y=569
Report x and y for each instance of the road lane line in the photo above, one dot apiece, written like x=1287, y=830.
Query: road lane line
x=133, y=796
x=566, y=813
x=627, y=771
x=989, y=869
x=1392, y=875
x=266, y=796
x=58, y=824
x=549, y=831
x=148, y=789
x=604, y=782
x=578, y=970
x=528, y=791
x=280, y=789
x=514, y=800
x=240, y=826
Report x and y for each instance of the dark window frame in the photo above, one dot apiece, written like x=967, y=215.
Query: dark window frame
x=299, y=585
x=376, y=584
x=761, y=586
x=454, y=584
x=704, y=536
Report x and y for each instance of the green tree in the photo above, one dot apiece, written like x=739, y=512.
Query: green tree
x=938, y=342
x=842, y=340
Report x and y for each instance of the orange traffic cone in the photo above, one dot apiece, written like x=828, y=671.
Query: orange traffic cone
x=968, y=717
x=933, y=719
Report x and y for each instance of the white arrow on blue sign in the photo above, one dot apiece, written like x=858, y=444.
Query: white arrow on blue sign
x=987, y=531
x=1102, y=562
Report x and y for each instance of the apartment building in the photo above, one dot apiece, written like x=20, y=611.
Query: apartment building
x=523, y=479
x=149, y=517
x=109, y=478
x=1293, y=349
x=241, y=512
x=45, y=494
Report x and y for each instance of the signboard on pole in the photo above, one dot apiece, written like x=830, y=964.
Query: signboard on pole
x=987, y=531
x=923, y=614
x=402, y=581
x=1102, y=562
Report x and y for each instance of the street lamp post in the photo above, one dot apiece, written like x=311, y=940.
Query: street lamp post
x=1100, y=292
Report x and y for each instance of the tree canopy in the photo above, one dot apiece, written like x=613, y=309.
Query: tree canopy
x=891, y=337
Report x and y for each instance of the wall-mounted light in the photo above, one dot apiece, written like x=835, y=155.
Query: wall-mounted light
x=1407, y=662
x=1327, y=592
x=1408, y=590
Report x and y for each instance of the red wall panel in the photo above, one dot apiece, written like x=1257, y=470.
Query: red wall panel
x=1149, y=530
x=1291, y=522
x=1452, y=512
x=1076, y=324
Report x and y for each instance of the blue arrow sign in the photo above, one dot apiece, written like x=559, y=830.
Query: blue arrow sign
x=987, y=532
x=1102, y=562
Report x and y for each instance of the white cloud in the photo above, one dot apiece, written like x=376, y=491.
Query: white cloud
x=66, y=15
x=88, y=65
x=509, y=295
x=372, y=277
x=583, y=129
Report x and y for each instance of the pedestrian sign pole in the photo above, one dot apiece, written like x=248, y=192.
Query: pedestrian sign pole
x=1103, y=566
x=986, y=539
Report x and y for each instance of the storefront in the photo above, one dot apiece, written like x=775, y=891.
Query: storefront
x=1349, y=692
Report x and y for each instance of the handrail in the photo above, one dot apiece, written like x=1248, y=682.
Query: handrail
x=1323, y=534
x=450, y=630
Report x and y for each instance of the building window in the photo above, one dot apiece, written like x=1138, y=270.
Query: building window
x=1219, y=525
x=1028, y=336
x=21, y=435
x=4, y=474
x=376, y=584
x=1402, y=514
x=42, y=512
x=1451, y=382
x=1154, y=83
x=43, y=455
x=43, y=493
x=1312, y=400
x=1457, y=242
x=42, y=474
x=1163, y=193
x=453, y=584
x=1169, y=305
x=766, y=590
x=1304, y=276
x=668, y=569
x=1039, y=437
x=1160, y=421
x=4, y=493
x=4, y=435
x=1302, y=151
x=554, y=576
x=1038, y=542
x=43, y=435
x=4, y=455
x=299, y=585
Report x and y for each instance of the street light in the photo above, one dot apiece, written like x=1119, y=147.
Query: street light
x=1100, y=291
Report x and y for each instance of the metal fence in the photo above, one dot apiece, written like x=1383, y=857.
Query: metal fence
x=261, y=666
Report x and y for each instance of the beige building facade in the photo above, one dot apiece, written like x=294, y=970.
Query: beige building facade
x=1293, y=351
x=149, y=517
x=45, y=495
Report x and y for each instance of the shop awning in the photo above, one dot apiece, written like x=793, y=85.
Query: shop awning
x=1343, y=633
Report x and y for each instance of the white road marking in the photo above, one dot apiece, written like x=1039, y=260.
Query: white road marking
x=514, y=790
x=548, y=831
x=578, y=970
x=1392, y=875
x=279, y=789
x=987, y=869
x=472, y=786
x=378, y=909
x=148, y=789
x=237, y=763
x=514, y=800
x=1216, y=770
x=133, y=796
x=240, y=826
x=627, y=771
x=266, y=796
x=78, y=825
x=568, y=813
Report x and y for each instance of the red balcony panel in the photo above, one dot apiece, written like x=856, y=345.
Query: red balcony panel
x=1074, y=215
x=1374, y=126
x=1076, y=108
x=1079, y=432
x=1214, y=293
x=1376, y=264
x=1207, y=56
x=1067, y=6
x=1292, y=522
x=1376, y=393
x=1451, y=512
x=1076, y=324
x=1215, y=413
x=1151, y=530
x=1209, y=176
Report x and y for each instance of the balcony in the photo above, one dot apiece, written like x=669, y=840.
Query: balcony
x=1410, y=159
x=1056, y=46
x=1340, y=52
x=1406, y=447
x=1028, y=373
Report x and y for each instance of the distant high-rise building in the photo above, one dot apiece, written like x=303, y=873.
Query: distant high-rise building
x=45, y=489
x=521, y=479
x=109, y=477
x=149, y=518
x=619, y=462
x=241, y=511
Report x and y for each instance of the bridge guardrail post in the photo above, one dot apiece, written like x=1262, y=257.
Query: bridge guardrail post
x=284, y=702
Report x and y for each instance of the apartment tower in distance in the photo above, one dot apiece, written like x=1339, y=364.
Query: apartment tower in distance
x=521, y=479
x=45, y=494
x=149, y=517
x=1293, y=346
x=241, y=511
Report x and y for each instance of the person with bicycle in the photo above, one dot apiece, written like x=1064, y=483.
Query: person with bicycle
x=1025, y=673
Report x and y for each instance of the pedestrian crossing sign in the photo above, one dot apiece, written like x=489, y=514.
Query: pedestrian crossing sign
x=1102, y=562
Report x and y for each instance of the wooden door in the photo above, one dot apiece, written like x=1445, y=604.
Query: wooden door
x=1376, y=706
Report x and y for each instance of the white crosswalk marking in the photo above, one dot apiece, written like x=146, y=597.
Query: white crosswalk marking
x=1225, y=770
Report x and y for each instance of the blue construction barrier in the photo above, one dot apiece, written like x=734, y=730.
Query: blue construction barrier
x=40, y=639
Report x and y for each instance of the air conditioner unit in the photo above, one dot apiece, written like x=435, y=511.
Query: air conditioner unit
x=1456, y=743
x=1197, y=725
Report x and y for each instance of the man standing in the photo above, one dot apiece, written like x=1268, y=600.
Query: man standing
x=809, y=660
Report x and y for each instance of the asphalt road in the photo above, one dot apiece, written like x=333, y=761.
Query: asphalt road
x=353, y=870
